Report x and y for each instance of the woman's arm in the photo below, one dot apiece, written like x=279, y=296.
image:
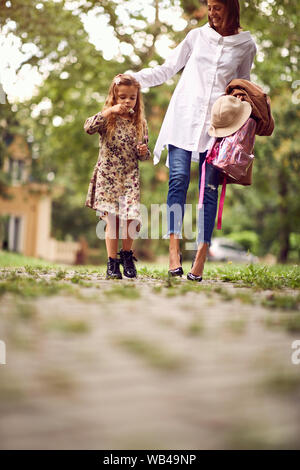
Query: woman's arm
x=246, y=65
x=174, y=62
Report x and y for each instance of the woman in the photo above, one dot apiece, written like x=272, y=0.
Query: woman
x=212, y=55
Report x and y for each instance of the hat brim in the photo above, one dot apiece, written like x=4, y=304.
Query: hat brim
x=226, y=131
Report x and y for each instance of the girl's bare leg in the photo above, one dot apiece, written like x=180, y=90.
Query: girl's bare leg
x=127, y=234
x=174, y=252
x=199, y=262
x=112, y=235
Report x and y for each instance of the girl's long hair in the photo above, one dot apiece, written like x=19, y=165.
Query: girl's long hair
x=231, y=22
x=138, y=116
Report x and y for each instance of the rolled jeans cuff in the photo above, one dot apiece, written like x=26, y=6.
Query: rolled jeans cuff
x=167, y=235
x=200, y=240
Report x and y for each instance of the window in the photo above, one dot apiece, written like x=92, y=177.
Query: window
x=16, y=169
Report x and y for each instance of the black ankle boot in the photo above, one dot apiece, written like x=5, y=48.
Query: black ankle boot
x=177, y=271
x=113, y=269
x=127, y=260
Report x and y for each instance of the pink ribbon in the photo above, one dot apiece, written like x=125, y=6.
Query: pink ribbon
x=222, y=198
x=221, y=204
x=202, y=184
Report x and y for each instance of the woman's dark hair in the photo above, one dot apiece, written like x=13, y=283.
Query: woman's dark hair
x=231, y=22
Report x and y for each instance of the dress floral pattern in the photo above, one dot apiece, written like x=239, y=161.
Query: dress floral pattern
x=115, y=183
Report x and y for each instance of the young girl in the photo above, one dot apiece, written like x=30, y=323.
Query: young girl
x=114, y=189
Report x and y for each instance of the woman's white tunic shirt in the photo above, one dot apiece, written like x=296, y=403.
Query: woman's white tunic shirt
x=210, y=62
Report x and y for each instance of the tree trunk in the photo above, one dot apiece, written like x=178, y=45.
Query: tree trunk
x=284, y=227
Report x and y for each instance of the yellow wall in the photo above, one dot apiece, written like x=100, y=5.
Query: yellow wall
x=36, y=212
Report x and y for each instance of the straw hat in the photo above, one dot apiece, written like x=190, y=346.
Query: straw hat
x=228, y=114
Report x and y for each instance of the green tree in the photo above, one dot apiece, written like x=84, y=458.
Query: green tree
x=78, y=78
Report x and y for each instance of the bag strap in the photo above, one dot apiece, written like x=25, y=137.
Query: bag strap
x=202, y=185
x=221, y=204
x=222, y=198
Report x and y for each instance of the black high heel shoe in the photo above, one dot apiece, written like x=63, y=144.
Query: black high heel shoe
x=177, y=271
x=192, y=277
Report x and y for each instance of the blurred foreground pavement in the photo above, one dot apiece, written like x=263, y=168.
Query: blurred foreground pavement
x=137, y=365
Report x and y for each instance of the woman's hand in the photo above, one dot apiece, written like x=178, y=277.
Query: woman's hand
x=142, y=149
x=240, y=97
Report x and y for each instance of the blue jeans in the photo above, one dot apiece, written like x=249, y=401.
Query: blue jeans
x=179, y=179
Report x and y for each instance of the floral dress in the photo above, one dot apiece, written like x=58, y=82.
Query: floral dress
x=115, y=183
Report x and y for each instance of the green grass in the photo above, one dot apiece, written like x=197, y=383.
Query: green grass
x=16, y=260
x=248, y=435
x=282, y=302
x=57, y=380
x=25, y=311
x=236, y=325
x=10, y=259
x=259, y=276
x=195, y=328
x=61, y=274
x=11, y=387
x=65, y=325
x=253, y=278
x=122, y=291
x=282, y=382
x=252, y=275
x=153, y=354
x=153, y=271
x=290, y=322
x=31, y=287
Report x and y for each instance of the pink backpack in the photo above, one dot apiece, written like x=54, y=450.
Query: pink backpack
x=232, y=156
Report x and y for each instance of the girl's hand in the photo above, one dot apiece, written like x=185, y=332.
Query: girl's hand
x=142, y=149
x=119, y=109
x=240, y=97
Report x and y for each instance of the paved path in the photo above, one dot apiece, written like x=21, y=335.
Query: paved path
x=158, y=371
